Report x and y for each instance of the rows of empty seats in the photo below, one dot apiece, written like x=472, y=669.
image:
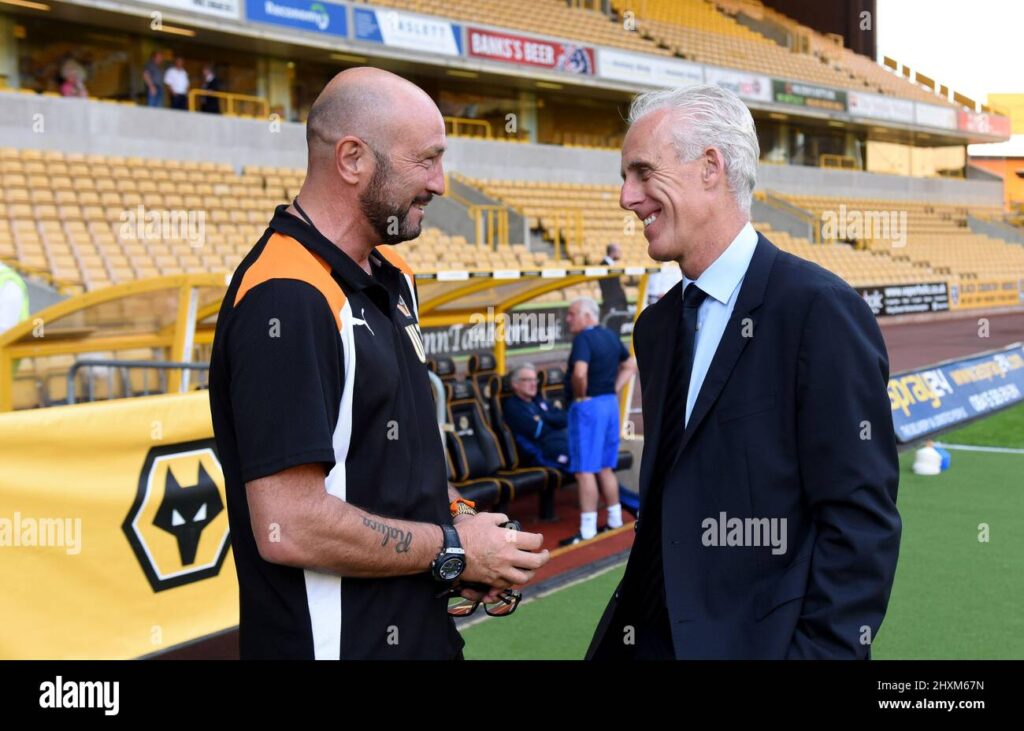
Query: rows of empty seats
x=559, y=208
x=697, y=30
x=68, y=218
x=835, y=54
x=939, y=245
x=75, y=220
x=858, y=267
x=88, y=221
x=936, y=237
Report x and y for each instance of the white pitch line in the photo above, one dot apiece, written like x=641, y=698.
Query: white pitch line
x=971, y=448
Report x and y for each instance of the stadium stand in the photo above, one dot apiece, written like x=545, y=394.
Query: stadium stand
x=74, y=220
x=90, y=233
x=708, y=33
x=830, y=50
x=937, y=234
x=544, y=17
x=938, y=242
x=565, y=210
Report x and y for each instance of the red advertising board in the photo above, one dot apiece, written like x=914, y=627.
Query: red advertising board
x=525, y=51
x=984, y=124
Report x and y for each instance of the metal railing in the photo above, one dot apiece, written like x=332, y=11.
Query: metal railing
x=124, y=366
x=843, y=162
x=458, y=126
x=231, y=98
x=491, y=224
x=566, y=226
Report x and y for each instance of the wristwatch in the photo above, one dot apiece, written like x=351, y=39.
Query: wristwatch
x=451, y=561
x=462, y=507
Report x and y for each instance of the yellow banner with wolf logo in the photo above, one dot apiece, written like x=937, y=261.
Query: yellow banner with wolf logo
x=114, y=537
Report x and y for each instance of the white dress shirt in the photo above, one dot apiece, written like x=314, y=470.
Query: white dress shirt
x=722, y=282
x=177, y=79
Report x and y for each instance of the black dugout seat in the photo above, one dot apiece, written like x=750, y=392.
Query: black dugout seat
x=497, y=391
x=481, y=368
x=552, y=387
x=486, y=492
x=475, y=448
x=443, y=367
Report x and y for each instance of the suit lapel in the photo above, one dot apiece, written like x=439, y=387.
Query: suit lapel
x=654, y=358
x=733, y=340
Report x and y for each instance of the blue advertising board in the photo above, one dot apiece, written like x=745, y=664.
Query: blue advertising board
x=308, y=15
x=928, y=400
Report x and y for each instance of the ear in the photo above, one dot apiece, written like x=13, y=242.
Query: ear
x=350, y=159
x=714, y=167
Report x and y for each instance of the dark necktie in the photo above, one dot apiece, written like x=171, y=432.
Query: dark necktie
x=673, y=419
x=651, y=611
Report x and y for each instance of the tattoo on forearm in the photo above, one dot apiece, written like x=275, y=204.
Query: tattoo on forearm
x=403, y=539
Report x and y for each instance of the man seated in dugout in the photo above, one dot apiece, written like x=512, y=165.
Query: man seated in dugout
x=540, y=430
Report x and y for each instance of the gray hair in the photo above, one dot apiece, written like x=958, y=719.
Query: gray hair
x=520, y=368
x=715, y=117
x=588, y=305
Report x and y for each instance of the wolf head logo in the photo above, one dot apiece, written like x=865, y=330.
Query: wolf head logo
x=185, y=511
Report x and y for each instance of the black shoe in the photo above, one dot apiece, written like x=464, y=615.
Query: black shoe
x=571, y=540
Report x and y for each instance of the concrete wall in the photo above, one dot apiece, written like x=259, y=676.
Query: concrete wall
x=451, y=217
x=41, y=296
x=80, y=125
x=996, y=230
x=798, y=180
x=780, y=220
x=76, y=125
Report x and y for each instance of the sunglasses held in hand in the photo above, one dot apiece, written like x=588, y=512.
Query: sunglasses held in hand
x=506, y=603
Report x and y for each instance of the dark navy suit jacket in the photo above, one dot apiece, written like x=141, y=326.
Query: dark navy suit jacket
x=792, y=421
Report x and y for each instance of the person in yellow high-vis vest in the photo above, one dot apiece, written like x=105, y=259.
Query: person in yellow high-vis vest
x=13, y=298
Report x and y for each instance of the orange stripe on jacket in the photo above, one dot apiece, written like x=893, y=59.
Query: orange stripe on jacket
x=285, y=258
x=396, y=260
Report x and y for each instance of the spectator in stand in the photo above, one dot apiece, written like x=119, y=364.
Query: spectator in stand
x=613, y=296
x=73, y=76
x=153, y=75
x=176, y=79
x=210, y=104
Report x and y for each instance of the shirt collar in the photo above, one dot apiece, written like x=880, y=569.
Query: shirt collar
x=726, y=272
x=351, y=274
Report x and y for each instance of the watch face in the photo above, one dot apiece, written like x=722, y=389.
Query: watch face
x=451, y=569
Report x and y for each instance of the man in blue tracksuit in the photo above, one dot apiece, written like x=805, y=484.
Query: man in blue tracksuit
x=599, y=366
x=541, y=430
